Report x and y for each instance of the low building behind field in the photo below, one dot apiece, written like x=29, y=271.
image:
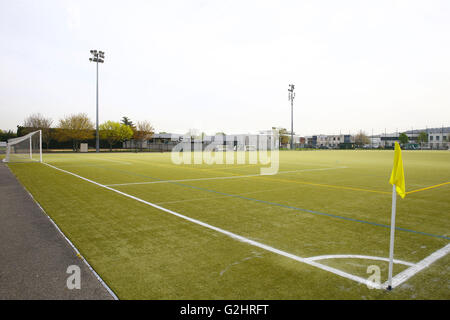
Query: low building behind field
x=437, y=139
x=162, y=142
x=333, y=141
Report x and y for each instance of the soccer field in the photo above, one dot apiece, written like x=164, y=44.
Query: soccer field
x=156, y=230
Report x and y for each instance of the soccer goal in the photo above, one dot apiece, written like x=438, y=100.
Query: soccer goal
x=25, y=149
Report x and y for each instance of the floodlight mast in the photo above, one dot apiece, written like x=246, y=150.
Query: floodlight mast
x=291, y=98
x=97, y=57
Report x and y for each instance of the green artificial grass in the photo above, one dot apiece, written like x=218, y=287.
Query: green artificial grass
x=343, y=208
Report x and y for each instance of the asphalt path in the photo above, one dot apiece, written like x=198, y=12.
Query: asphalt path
x=34, y=255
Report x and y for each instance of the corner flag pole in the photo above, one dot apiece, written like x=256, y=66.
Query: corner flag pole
x=398, y=186
x=40, y=145
x=391, y=245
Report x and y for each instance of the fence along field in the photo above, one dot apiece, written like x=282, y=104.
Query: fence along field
x=202, y=231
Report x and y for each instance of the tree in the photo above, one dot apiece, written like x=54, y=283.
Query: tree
x=422, y=138
x=76, y=127
x=38, y=122
x=114, y=132
x=361, y=139
x=5, y=135
x=143, y=131
x=284, y=137
x=126, y=121
x=403, y=138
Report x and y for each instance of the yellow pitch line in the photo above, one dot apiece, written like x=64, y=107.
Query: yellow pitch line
x=430, y=187
x=300, y=182
x=340, y=187
x=281, y=180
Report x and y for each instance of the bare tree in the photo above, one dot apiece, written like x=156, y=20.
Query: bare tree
x=38, y=122
x=361, y=139
x=144, y=131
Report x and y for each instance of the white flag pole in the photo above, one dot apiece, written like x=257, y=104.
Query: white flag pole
x=40, y=145
x=391, y=245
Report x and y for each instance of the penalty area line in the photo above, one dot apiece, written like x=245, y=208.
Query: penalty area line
x=233, y=235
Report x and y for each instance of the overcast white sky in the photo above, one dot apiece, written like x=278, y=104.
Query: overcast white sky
x=226, y=65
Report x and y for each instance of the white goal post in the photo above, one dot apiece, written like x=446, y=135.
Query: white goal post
x=25, y=149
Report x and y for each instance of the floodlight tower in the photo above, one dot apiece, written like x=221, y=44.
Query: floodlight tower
x=98, y=57
x=291, y=98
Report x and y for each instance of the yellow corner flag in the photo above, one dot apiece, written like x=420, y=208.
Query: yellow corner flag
x=397, y=175
x=398, y=185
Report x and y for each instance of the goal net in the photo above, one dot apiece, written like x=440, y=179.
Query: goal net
x=25, y=149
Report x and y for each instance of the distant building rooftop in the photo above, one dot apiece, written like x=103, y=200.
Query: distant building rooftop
x=430, y=130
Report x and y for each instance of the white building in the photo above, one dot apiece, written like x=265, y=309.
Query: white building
x=438, y=141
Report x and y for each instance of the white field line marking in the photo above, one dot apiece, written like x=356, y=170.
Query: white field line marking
x=219, y=178
x=233, y=235
x=78, y=254
x=357, y=256
x=423, y=264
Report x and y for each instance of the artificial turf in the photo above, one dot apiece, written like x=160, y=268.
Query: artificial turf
x=320, y=203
